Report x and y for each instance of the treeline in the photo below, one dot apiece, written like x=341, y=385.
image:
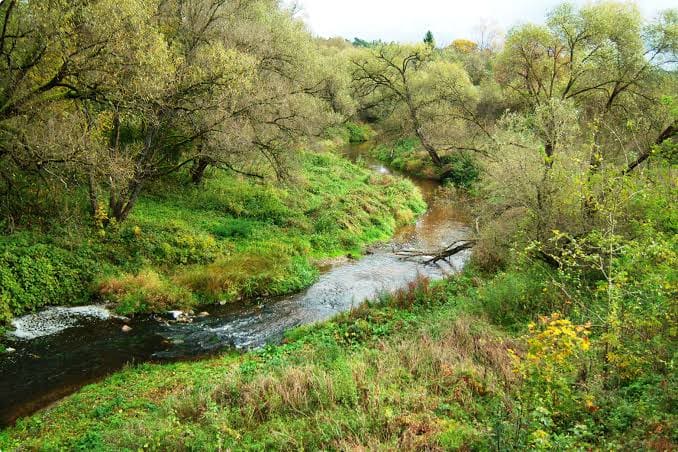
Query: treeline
x=107, y=96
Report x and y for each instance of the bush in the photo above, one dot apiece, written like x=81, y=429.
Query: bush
x=33, y=275
x=358, y=133
x=460, y=169
x=514, y=298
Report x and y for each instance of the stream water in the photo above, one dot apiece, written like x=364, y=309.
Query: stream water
x=59, y=350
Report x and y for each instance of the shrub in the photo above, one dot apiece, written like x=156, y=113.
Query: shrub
x=460, y=169
x=513, y=298
x=358, y=133
x=33, y=275
x=234, y=228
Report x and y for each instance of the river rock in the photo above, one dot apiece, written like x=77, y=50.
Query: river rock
x=204, y=314
x=178, y=316
x=175, y=315
x=10, y=350
x=126, y=328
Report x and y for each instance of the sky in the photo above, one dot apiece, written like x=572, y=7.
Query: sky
x=408, y=20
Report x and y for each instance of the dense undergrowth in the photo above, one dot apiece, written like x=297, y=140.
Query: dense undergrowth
x=227, y=239
x=406, y=155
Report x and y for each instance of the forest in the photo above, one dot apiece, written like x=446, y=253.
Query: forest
x=190, y=155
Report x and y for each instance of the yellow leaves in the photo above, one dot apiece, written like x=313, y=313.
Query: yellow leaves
x=585, y=344
x=552, y=345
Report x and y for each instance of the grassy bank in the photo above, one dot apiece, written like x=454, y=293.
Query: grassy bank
x=410, y=371
x=423, y=369
x=232, y=238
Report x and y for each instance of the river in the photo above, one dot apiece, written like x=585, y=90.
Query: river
x=59, y=350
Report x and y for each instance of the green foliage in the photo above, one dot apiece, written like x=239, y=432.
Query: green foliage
x=229, y=239
x=350, y=132
x=460, y=169
x=146, y=291
x=515, y=298
x=409, y=370
x=35, y=274
x=358, y=133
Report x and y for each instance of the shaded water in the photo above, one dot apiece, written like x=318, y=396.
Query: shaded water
x=61, y=349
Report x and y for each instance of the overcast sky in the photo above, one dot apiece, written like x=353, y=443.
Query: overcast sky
x=408, y=20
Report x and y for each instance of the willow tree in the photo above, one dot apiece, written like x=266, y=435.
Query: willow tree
x=57, y=59
x=243, y=89
x=585, y=92
x=431, y=99
x=604, y=59
x=156, y=135
x=289, y=96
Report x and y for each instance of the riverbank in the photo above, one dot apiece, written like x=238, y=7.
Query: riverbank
x=57, y=361
x=425, y=368
x=231, y=239
x=395, y=373
x=408, y=156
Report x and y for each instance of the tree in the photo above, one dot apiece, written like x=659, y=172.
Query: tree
x=429, y=40
x=604, y=60
x=431, y=99
x=58, y=59
x=135, y=91
x=464, y=46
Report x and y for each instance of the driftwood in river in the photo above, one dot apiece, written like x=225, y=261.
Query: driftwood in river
x=439, y=255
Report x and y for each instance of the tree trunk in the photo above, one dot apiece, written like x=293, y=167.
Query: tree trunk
x=419, y=132
x=122, y=206
x=93, y=195
x=549, y=149
x=198, y=169
x=430, y=149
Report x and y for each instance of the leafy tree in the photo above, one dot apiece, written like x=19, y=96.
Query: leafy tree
x=429, y=98
x=132, y=92
x=59, y=59
x=464, y=46
x=604, y=60
x=429, y=40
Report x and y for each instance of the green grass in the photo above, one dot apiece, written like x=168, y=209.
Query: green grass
x=425, y=369
x=230, y=239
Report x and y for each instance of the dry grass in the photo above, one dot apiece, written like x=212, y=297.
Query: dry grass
x=145, y=291
x=385, y=396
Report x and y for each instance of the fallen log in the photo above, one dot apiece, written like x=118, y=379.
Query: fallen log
x=439, y=255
